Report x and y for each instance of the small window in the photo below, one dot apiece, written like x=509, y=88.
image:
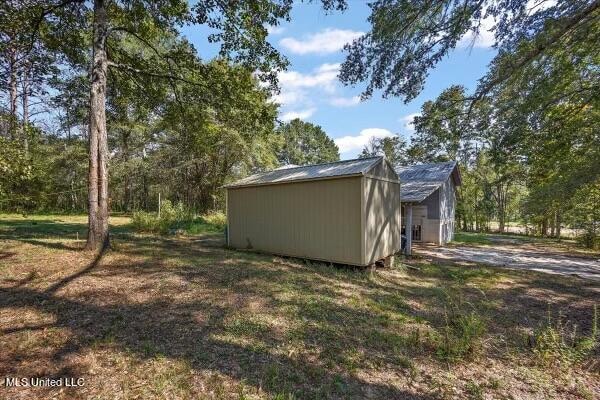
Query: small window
x=416, y=233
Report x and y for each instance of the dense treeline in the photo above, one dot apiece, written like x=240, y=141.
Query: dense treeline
x=117, y=94
x=120, y=72
x=182, y=138
x=185, y=166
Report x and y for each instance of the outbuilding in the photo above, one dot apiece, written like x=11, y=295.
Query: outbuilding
x=344, y=212
x=429, y=201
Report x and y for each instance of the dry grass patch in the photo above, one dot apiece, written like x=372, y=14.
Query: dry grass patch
x=186, y=318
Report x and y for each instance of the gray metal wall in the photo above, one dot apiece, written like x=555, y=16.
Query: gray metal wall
x=437, y=223
x=433, y=204
x=447, y=210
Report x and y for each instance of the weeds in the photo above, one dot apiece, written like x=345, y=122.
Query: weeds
x=174, y=218
x=462, y=333
x=462, y=337
x=217, y=219
x=474, y=391
x=171, y=217
x=559, y=343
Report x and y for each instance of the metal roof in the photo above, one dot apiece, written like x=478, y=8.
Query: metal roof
x=287, y=166
x=309, y=172
x=419, y=181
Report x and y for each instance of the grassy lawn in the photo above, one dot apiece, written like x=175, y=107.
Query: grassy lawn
x=565, y=246
x=471, y=238
x=184, y=317
x=508, y=238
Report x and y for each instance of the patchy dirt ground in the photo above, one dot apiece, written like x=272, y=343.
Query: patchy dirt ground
x=185, y=318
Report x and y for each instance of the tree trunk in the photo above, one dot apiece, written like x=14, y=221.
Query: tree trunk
x=68, y=127
x=13, y=94
x=25, y=104
x=558, y=222
x=502, y=195
x=98, y=237
x=127, y=182
x=545, y=227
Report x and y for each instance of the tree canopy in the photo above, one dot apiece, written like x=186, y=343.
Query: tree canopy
x=407, y=38
x=305, y=143
x=393, y=148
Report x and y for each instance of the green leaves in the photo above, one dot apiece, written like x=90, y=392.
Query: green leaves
x=408, y=39
x=305, y=143
x=393, y=148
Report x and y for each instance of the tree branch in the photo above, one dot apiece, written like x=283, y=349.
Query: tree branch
x=149, y=73
x=567, y=25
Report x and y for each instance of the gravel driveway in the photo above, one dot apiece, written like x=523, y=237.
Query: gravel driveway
x=517, y=258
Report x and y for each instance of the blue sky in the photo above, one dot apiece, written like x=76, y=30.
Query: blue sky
x=313, y=43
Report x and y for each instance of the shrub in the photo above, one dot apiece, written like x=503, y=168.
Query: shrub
x=589, y=239
x=176, y=217
x=171, y=218
x=461, y=336
x=218, y=219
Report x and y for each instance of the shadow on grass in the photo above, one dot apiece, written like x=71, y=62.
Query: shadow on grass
x=201, y=297
x=38, y=231
x=162, y=328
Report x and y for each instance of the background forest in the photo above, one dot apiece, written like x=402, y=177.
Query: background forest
x=527, y=140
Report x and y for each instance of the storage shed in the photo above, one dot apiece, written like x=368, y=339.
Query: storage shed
x=345, y=212
x=429, y=201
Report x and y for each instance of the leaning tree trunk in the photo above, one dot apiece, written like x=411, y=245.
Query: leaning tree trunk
x=98, y=172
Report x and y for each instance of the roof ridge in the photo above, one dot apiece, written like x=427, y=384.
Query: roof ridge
x=355, y=166
x=327, y=163
x=431, y=163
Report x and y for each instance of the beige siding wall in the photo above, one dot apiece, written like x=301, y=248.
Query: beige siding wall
x=382, y=219
x=316, y=219
x=383, y=170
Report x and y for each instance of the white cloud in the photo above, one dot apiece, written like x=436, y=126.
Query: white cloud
x=356, y=143
x=302, y=114
x=485, y=38
x=345, y=101
x=324, y=42
x=294, y=85
x=407, y=122
x=288, y=97
x=275, y=30
x=324, y=76
x=534, y=6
